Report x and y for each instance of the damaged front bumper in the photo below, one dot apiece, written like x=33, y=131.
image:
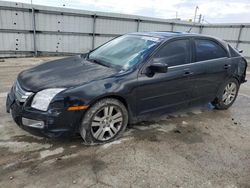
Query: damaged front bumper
x=51, y=123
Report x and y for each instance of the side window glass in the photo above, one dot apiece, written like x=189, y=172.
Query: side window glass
x=233, y=51
x=174, y=53
x=206, y=50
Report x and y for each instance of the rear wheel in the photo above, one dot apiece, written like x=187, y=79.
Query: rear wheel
x=227, y=94
x=104, y=122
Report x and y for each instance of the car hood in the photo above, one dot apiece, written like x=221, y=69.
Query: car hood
x=67, y=72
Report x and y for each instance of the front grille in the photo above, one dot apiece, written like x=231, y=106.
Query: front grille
x=21, y=94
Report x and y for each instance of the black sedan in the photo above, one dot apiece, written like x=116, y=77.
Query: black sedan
x=128, y=79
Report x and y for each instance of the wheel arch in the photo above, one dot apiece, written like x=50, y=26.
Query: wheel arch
x=237, y=78
x=222, y=84
x=119, y=98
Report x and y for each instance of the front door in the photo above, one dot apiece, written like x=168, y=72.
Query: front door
x=163, y=92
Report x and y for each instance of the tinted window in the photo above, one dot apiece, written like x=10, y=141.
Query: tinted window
x=174, y=53
x=206, y=49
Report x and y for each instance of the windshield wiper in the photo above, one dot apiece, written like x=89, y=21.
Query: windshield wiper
x=98, y=62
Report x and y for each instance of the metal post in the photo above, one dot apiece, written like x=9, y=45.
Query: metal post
x=201, y=28
x=239, y=35
x=200, y=18
x=172, y=27
x=138, y=25
x=93, y=34
x=34, y=31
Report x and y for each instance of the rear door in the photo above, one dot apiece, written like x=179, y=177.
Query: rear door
x=210, y=68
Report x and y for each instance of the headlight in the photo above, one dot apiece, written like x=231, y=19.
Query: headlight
x=43, y=98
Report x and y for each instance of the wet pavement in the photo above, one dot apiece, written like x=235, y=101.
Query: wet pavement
x=198, y=147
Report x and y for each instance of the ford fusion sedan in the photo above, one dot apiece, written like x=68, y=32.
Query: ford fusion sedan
x=126, y=80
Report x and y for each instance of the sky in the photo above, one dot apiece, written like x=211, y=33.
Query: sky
x=213, y=11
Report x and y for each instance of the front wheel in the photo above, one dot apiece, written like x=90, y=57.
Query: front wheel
x=227, y=94
x=104, y=122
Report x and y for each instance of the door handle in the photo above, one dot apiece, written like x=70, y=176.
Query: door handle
x=187, y=73
x=226, y=66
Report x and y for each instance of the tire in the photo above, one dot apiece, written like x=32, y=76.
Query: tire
x=104, y=116
x=222, y=101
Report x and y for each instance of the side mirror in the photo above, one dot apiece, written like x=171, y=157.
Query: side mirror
x=158, y=67
x=240, y=51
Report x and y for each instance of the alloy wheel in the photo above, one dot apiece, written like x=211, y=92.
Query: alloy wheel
x=229, y=93
x=106, y=123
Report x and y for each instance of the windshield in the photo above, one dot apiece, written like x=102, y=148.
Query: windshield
x=125, y=51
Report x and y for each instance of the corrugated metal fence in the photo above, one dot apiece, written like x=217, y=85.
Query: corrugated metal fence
x=38, y=30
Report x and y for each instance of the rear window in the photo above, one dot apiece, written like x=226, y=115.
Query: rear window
x=207, y=49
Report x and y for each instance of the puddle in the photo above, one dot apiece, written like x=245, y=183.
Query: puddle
x=187, y=134
x=98, y=165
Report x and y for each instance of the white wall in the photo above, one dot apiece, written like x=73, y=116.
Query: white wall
x=69, y=31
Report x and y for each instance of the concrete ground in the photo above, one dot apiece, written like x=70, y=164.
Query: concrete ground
x=199, y=147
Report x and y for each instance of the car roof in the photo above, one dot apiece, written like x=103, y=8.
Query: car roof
x=171, y=34
x=164, y=34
